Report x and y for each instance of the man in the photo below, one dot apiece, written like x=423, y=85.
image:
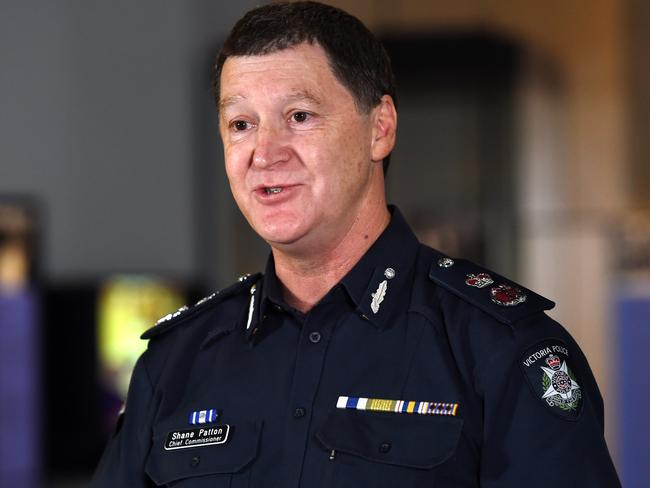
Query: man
x=361, y=357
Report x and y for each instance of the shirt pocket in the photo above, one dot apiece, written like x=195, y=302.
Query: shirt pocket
x=214, y=465
x=387, y=449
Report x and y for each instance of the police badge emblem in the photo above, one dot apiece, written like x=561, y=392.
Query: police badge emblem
x=507, y=296
x=561, y=389
x=546, y=367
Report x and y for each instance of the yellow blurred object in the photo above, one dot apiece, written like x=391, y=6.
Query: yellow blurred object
x=129, y=305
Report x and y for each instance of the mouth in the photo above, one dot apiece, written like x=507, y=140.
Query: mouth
x=274, y=193
x=273, y=189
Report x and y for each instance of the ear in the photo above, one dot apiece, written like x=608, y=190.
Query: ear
x=384, y=128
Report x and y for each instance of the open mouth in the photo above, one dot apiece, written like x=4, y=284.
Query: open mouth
x=273, y=192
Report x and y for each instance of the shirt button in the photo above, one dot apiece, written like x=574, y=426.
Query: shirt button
x=299, y=412
x=384, y=447
x=314, y=337
x=195, y=461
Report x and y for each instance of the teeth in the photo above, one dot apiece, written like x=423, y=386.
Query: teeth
x=274, y=189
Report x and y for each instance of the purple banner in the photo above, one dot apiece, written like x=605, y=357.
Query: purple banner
x=19, y=390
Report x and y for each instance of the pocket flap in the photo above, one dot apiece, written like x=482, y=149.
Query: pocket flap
x=417, y=441
x=168, y=461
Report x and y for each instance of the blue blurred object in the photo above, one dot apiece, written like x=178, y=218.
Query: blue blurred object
x=19, y=390
x=633, y=331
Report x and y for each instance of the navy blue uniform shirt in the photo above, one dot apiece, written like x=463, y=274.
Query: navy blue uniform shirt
x=416, y=370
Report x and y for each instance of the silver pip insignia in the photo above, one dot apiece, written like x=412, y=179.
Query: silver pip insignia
x=378, y=296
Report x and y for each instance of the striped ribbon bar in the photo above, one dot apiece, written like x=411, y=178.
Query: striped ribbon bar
x=203, y=416
x=397, y=406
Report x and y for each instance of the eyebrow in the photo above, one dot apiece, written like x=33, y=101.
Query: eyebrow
x=304, y=95
x=226, y=102
x=297, y=96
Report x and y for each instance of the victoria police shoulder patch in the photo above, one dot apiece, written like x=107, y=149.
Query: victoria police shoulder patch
x=547, y=368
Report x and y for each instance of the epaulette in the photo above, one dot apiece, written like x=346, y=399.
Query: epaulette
x=497, y=296
x=172, y=319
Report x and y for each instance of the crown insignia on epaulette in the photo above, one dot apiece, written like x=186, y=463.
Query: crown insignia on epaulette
x=479, y=280
x=492, y=293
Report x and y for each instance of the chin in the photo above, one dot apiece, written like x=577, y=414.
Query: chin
x=280, y=235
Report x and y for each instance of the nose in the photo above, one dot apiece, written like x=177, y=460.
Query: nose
x=271, y=148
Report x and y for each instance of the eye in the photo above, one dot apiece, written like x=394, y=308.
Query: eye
x=239, y=125
x=300, y=116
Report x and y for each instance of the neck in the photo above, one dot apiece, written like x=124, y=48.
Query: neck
x=307, y=278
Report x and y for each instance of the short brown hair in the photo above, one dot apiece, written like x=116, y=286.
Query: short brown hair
x=356, y=56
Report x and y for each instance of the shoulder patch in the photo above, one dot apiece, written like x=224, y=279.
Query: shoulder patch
x=501, y=298
x=548, y=370
x=170, y=320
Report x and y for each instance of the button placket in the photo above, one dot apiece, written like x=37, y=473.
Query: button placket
x=310, y=358
x=299, y=413
x=384, y=447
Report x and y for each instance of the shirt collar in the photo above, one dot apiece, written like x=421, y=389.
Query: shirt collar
x=265, y=298
x=376, y=284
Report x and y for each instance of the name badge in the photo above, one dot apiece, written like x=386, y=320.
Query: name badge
x=202, y=436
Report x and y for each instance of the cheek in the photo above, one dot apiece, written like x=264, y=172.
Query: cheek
x=230, y=172
x=352, y=158
x=354, y=140
x=235, y=166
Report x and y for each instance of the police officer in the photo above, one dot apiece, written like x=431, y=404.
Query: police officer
x=360, y=357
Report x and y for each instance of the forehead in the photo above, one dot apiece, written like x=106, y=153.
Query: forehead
x=304, y=67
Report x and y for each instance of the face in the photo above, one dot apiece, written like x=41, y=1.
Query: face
x=298, y=151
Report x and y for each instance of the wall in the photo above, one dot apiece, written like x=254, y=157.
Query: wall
x=98, y=123
x=638, y=81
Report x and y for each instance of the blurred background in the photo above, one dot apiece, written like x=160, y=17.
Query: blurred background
x=524, y=144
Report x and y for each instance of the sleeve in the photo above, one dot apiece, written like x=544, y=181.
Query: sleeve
x=543, y=413
x=122, y=463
